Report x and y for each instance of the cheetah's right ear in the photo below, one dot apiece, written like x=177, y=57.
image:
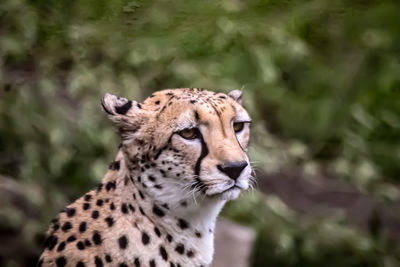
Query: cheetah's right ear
x=236, y=95
x=126, y=114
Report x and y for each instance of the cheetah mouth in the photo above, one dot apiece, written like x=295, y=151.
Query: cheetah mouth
x=233, y=187
x=226, y=191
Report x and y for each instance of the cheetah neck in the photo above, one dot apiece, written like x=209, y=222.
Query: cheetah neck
x=192, y=224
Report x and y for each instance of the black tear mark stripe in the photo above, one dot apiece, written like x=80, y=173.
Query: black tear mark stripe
x=163, y=148
x=158, y=154
x=237, y=139
x=203, y=154
x=240, y=145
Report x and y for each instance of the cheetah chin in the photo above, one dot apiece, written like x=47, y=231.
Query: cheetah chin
x=183, y=154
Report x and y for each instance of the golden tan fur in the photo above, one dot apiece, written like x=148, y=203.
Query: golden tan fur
x=157, y=204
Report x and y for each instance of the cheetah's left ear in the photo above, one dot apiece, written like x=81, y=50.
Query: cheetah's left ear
x=126, y=114
x=236, y=95
x=116, y=106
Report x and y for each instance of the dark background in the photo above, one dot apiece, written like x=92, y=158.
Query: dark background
x=320, y=78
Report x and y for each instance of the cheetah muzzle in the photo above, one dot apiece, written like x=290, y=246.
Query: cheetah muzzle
x=183, y=154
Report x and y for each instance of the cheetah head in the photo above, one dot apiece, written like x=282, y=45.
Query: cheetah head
x=186, y=144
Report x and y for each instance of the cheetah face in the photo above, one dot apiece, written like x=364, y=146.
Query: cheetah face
x=188, y=143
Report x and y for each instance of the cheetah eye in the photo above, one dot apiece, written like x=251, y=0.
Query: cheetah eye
x=238, y=126
x=188, y=133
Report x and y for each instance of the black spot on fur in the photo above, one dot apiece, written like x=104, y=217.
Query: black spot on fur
x=115, y=165
x=109, y=221
x=124, y=208
x=137, y=262
x=145, y=238
x=123, y=242
x=158, y=186
x=142, y=211
x=163, y=253
x=97, y=238
x=88, y=197
x=86, y=206
x=88, y=243
x=157, y=211
x=110, y=185
x=108, y=258
x=157, y=102
x=190, y=254
x=99, y=202
x=66, y=226
x=152, y=263
x=82, y=227
x=169, y=238
x=141, y=195
x=180, y=248
x=98, y=262
x=123, y=109
x=157, y=231
x=95, y=214
x=61, y=246
x=80, y=264
x=61, y=261
x=198, y=234
x=183, y=224
x=70, y=239
x=123, y=265
x=80, y=245
x=56, y=226
x=51, y=242
x=112, y=206
x=70, y=212
x=131, y=208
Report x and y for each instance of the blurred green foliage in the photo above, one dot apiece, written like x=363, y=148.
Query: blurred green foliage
x=321, y=79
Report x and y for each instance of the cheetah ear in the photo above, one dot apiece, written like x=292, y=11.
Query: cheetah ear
x=126, y=114
x=236, y=95
x=115, y=105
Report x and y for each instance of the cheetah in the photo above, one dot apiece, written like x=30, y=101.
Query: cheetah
x=183, y=154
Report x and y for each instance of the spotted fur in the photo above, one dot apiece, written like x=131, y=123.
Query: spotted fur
x=182, y=156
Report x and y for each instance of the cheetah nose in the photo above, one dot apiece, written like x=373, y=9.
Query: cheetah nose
x=232, y=169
